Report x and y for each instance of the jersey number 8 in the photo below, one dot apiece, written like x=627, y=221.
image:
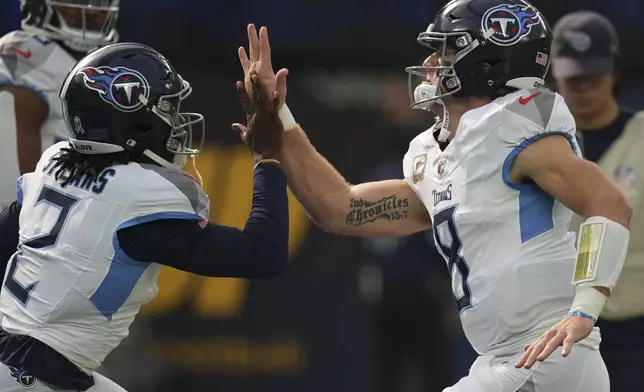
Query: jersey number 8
x=451, y=250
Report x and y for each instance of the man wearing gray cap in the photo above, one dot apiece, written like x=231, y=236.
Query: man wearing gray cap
x=585, y=66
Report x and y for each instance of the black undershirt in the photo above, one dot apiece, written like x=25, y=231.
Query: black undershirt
x=596, y=142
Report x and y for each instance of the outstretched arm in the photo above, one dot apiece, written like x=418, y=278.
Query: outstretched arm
x=387, y=208
x=384, y=208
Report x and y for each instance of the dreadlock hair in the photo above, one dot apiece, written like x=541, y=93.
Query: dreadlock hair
x=72, y=165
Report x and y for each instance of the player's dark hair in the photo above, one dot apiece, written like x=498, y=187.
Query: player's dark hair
x=72, y=165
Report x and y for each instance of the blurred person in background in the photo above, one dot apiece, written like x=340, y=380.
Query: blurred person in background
x=585, y=65
x=33, y=64
x=497, y=178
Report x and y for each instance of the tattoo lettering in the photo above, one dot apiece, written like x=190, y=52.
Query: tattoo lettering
x=391, y=208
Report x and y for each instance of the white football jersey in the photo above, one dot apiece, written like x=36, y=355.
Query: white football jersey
x=41, y=65
x=507, y=245
x=70, y=285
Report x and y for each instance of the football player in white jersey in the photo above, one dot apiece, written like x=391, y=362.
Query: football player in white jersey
x=497, y=178
x=33, y=65
x=102, y=212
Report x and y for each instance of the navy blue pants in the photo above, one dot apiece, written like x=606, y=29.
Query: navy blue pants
x=622, y=348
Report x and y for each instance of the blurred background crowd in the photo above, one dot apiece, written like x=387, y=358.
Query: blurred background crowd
x=350, y=315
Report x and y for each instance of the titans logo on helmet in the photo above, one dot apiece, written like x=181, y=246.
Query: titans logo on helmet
x=121, y=87
x=510, y=22
x=23, y=378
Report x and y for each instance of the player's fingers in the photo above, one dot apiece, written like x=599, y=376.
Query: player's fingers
x=244, y=98
x=280, y=87
x=276, y=101
x=241, y=130
x=264, y=47
x=535, y=351
x=521, y=362
x=243, y=58
x=253, y=43
x=254, y=82
x=551, y=347
x=527, y=346
x=263, y=101
x=237, y=127
x=568, y=342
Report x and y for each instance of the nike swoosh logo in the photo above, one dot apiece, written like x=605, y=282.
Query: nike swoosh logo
x=24, y=53
x=525, y=100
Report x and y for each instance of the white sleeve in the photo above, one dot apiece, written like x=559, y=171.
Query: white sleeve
x=534, y=115
x=167, y=194
x=23, y=62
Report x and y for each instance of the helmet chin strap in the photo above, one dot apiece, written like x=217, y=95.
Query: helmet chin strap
x=444, y=134
x=179, y=163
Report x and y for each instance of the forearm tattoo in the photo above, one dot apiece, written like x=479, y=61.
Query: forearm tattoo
x=391, y=208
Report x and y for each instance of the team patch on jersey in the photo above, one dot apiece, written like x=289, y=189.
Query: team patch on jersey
x=510, y=22
x=418, y=167
x=23, y=378
x=121, y=87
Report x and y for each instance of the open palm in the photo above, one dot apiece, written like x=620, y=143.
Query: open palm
x=260, y=63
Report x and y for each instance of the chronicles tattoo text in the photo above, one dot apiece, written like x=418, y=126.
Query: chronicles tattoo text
x=391, y=208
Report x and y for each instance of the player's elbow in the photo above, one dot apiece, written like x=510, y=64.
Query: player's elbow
x=614, y=206
x=623, y=210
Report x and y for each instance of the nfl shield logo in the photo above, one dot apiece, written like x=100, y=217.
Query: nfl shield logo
x=624, y=176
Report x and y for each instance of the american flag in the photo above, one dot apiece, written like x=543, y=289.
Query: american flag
x=542, y=58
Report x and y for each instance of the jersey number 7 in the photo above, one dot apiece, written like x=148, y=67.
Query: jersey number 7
x=56, y=199
x=451, y=250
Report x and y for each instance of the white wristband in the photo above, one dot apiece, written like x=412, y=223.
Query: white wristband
x=588, y=300
x=285, y=115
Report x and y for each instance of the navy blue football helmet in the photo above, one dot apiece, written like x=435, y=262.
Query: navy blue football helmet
x=493, y=47
x=127, y=96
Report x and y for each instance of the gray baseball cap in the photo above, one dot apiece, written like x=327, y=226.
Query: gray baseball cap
x=584, y=43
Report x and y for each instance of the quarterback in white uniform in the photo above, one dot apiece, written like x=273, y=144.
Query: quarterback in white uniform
x=102, y=212
x=497, y=177
x=33, y=65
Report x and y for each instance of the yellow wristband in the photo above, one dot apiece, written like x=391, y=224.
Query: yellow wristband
x=268, y=160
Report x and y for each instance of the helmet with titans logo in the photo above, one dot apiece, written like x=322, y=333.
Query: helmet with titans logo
x=485, y=48
x=127, y=97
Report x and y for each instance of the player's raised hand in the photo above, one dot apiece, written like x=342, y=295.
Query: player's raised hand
x=264, y=133
x=565, y=333
x=260, y=63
